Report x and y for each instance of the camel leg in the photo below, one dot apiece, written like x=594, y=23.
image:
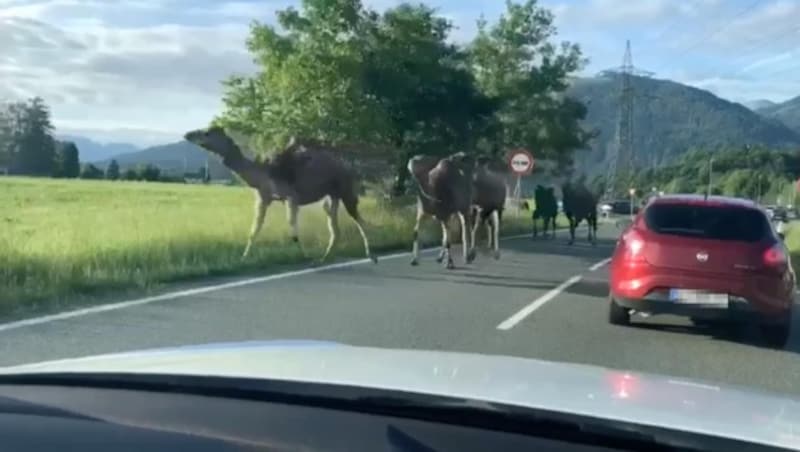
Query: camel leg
x=496, y=234
x=468, y=249
x=571, y=231
x=446, y=246
x=292, y=209
x=331, y=207
x=475, y=226
x=258, y=222
x=488, y=235
x=535, y=228
x=415, y=246
x=351, y=206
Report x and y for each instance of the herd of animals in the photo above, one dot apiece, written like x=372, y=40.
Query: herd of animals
x=457, y=185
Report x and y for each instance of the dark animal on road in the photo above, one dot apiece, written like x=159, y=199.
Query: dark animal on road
x=301, y=174
x=445, y=189
x=489, y=199
x=546, y=210
x=580, y=204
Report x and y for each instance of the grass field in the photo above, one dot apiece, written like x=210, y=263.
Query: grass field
x=793, y=243
x=63, y=239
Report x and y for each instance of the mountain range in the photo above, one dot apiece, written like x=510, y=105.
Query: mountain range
x=786, y=112
x=669, y=119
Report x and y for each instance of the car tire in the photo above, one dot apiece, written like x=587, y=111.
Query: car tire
x=618, y=315
x=776, y=335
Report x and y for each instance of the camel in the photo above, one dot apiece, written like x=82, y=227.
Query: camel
x=546, y=210
x=301, y=174
x=445, y=189
x=489, y=191
x=580, y=204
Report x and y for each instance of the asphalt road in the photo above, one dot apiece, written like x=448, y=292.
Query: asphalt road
x=542, y=299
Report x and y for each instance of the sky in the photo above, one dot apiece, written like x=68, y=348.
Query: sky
x=145, y=71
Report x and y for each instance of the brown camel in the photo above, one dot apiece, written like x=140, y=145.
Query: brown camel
x=489, y=191
x=301, y=174
x=445, y=189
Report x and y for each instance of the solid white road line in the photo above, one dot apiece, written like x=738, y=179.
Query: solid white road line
x=509, y=323
x=599, y=264
x=205, y=289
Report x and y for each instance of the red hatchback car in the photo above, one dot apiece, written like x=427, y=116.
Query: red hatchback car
x=704, y=258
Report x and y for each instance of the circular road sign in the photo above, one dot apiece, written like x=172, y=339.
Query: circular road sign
x=521, y=162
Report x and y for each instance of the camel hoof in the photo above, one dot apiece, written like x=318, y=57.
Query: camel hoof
x=450, y=265
x=497, y=255
x=471, y=256
x=374, y=259
x=414, y=263
x=439, y=259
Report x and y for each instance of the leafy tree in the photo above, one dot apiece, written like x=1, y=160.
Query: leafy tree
x=205, y=174
x=149, y=173
x=33, y=139
x=90, y=171
x=112, y=172
x=515, y=61
x=310, y=78
x=130, y=174
x=7, y=145
x=67, y=160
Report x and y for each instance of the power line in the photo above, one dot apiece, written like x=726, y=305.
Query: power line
x=730, y=21
x=714, y=32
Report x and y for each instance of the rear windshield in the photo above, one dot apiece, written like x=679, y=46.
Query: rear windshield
x=711, y=222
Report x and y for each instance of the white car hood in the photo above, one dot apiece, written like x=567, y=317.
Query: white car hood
x=681, y=404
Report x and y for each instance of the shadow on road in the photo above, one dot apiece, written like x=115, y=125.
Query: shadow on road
x=736, y=332
x=481, y=280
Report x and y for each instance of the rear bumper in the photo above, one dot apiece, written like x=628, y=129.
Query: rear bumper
x=644, y=289
x=738, y=310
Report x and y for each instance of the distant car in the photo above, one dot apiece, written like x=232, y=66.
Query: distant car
x=715, y=258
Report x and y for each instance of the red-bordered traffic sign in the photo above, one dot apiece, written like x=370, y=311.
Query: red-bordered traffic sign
x=521, y=162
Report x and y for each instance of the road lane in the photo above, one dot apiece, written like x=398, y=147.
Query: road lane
x=395, y=305
x=391, y=304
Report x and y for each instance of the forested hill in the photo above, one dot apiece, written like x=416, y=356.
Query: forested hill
x=786, y=112
x=670, y=119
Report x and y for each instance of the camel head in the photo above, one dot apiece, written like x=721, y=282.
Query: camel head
x=214, y=139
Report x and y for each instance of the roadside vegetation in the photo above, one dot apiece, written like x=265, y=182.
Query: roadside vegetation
x=60, y=239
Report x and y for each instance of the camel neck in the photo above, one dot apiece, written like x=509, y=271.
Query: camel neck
x=247, y=169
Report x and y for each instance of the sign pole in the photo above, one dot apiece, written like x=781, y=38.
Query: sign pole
x=521, y=163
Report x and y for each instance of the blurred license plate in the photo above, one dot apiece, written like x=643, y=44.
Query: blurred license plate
x=698, y=297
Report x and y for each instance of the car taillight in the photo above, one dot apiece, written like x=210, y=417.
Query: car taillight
x=633, y=247
x=774, y=257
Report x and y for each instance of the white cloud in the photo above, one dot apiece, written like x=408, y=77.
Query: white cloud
x=146, y=70
x=163, y=78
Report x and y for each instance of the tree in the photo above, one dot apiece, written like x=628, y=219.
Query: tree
x=310, y=79
x=515, y=61
x=149, y=172
x=90, y=171
x=7, y=147
x=67, y=160
x=112, y=172
x=130, y=174
x=33, y=139
x=344, y=74
x=424, y=84
x=205, y=174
